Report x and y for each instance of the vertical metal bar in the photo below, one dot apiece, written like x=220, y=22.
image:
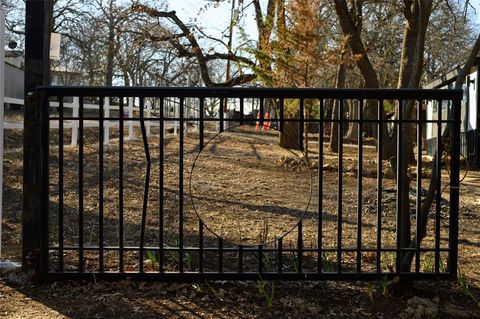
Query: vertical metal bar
x=202, y=123
x=260, y=259
x=161, y=150
x=280, y=255
x=340, y=186
x=476, y=106
x=180, y=187
x=200, y=247
x=80, y=187
x=320, y=188
x=399, y=166
x=419, y=184
x=302, y=124
x=438, y=186
x=147, y=181
x=100, y=183
x=262, y=111
x=300, y=245
x=222, y=115
x=242, y=110
x=240, y=259
x=379, y=184
x=220, y=254
x=120, y=184
x=60, y=184
x=359, y=185
x=43, y=265
x=454, y=188
x=282, y=114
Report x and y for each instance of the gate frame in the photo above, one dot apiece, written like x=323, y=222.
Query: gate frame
x=41, y=197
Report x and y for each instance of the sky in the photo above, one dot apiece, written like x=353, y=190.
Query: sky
x=215, y=19
x=475, y=10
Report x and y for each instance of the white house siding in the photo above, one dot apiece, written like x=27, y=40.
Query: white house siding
x=469, y=121
x=429, y=118
x=14, y=82
x=472, y=98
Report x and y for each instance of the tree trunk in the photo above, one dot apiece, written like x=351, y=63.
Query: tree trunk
x=290, y=137
x=351, y=31
x=352, y=133
x=111, y=46
x=411, y=67
x=340, y=83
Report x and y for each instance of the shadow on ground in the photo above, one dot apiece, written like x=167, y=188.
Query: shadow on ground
x=127, y=299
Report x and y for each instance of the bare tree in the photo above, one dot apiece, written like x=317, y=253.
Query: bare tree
x=187, y=45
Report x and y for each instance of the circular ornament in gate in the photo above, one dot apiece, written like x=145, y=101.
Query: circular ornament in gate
x=247, y=189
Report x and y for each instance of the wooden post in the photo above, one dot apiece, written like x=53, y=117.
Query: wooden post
x=75, y=106
x=106, y=134
x=131, y=137
x=148, y=123
x=176, y=108
x=35, y=195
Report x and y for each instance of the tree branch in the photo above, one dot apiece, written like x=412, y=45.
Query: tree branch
x=196, y=51
x=468, y=64
x=357, y=48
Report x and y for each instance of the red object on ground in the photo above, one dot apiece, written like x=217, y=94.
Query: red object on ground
x=266, y=124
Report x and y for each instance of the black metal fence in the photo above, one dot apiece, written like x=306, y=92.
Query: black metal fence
x=125, y=209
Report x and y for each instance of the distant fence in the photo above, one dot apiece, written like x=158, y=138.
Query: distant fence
x=107, y=108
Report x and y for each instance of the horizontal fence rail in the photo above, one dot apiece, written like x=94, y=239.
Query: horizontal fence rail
x=72, y=107
x=164, y=206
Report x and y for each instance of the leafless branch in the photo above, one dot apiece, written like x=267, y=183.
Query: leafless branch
x=196, y=50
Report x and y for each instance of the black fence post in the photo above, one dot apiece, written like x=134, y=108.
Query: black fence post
x=35, y=205
x=454, y=189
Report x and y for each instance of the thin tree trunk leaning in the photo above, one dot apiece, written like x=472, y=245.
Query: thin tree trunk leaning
x=351, y=25
x=417, y=14
x=340, y=84
x=351, y=32
x=427, y=203
x=111, y=46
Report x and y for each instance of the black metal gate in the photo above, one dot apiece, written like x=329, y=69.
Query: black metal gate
x=94, y=221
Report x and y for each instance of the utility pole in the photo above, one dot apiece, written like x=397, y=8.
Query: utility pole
x=38, y=21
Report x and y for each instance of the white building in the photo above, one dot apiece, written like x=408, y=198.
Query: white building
x=15, y=75
x=470, y=114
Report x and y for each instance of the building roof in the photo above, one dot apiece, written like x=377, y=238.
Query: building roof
x=13, y=65
x=449, y=77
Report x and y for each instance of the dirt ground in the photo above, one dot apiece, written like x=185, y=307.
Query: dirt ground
x=239, y=171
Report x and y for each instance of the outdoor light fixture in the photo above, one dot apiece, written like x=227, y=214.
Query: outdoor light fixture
x=12, y=45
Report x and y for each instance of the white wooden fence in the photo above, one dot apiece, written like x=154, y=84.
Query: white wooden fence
x=107, y=107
